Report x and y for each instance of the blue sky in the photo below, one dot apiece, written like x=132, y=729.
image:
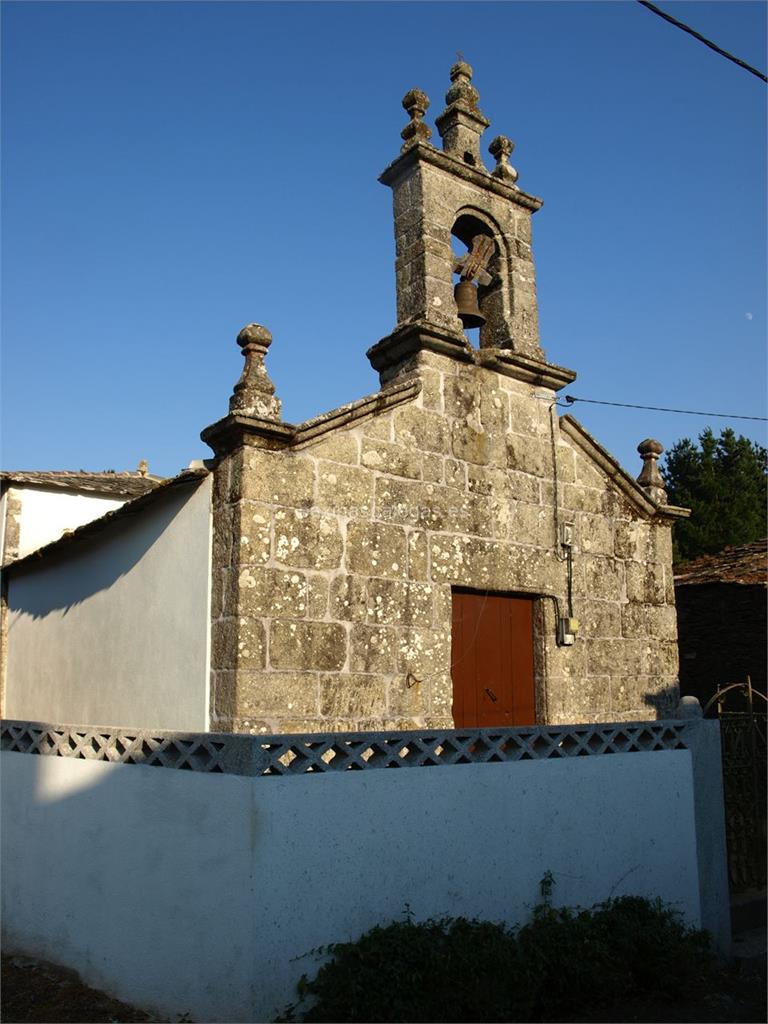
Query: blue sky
x=173, y=171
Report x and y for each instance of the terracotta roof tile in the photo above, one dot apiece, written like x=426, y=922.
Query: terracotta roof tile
x=747, y=564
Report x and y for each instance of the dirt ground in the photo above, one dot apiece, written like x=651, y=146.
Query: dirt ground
x=34, y=991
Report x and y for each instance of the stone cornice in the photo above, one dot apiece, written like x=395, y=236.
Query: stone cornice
x=531, y=371
x=424, y=152
x=410, y=338
x=371, y=405
x=619, y=476
x=234, y=431
x=457, y=112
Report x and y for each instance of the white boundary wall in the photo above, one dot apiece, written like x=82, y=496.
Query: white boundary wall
x=192, y=892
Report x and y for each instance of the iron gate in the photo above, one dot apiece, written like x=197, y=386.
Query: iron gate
x=742, y=713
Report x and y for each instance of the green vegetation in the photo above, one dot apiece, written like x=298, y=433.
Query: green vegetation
x=723, y=481
x=557, y=964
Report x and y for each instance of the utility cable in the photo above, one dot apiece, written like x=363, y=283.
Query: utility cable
x=570, y=399
x=702, y=39
x=555, y=484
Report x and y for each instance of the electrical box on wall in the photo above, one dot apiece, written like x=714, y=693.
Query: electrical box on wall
x=566, y=535
x=567, y=629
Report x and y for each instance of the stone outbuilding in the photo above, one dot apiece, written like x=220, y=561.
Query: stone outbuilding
x=447, y=551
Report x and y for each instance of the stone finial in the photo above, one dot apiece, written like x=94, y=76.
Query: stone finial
x=462, y=92
x=143, y=468
x=650, y=478
x=416, y=104
x=462, y=123
x=501, y=149
x=254, y=393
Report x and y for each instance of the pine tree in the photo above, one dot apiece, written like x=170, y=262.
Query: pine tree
x=723, y=481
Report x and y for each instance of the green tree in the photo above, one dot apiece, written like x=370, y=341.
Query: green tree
x=723, y=481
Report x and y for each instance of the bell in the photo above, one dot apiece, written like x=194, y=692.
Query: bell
x=465, y=295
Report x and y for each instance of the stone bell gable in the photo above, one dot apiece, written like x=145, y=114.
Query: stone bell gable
x=447, y=551
x=443, y=197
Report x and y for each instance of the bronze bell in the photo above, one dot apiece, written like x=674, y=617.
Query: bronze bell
x=465, y=295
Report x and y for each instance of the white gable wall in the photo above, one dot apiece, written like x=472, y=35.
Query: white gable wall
x=115, y=631
x=46, y=514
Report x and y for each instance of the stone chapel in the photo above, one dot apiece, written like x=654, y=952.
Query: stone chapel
x=447, y=552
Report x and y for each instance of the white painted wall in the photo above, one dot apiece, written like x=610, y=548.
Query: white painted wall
x=46, y=514
x=191, y=892
x=116, y=631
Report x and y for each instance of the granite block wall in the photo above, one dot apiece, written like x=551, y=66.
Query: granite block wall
x=334, y=560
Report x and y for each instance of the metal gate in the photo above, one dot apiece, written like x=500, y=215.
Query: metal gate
x=742, y=713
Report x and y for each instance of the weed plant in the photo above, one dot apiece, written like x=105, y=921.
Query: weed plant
x=559, y=963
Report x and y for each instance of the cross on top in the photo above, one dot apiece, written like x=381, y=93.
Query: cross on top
x=471, y=266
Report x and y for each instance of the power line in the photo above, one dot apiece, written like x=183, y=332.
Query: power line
x=707, y=42
x=570, y=399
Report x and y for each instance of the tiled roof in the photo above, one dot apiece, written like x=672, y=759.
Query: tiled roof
x=130, y=508
x=746, y=564
x=126, y=485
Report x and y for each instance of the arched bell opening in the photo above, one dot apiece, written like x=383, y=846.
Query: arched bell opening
x=478, y=271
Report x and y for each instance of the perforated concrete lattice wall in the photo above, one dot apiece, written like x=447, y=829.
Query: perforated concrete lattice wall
x=291, y=821
x=286, y=755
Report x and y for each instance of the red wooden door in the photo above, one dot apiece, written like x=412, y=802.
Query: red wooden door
x=492, y=660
